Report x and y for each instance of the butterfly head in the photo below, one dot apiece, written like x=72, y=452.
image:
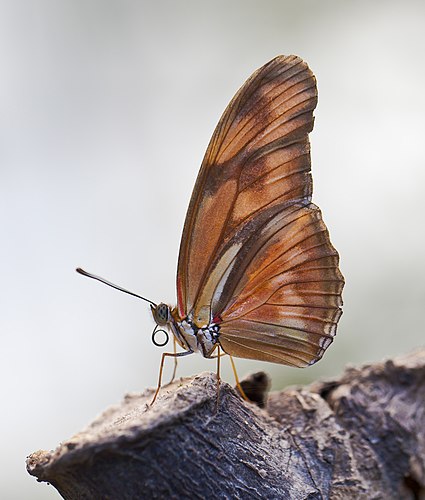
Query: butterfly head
x=161, y=314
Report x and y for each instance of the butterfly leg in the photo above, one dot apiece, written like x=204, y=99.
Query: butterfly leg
x=175, y=361
x=218, y=379
x=172, y=355
x=238, y=384
x=218, y=358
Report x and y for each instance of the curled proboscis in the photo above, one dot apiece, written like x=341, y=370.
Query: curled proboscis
x=155, y=333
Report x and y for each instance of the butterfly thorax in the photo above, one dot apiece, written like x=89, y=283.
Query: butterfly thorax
x=191, y=337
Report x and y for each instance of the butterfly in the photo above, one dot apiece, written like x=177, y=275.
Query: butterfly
x=257, y=275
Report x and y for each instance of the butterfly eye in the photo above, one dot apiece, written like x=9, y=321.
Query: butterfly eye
x=161, y=314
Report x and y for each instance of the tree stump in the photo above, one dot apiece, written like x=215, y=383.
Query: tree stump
x=359, y=436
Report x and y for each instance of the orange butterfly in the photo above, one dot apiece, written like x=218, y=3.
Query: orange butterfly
x=257, y=274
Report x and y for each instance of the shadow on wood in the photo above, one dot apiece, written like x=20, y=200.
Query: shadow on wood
x=359, y=436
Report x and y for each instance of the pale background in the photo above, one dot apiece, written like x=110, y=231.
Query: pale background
x=106, y=108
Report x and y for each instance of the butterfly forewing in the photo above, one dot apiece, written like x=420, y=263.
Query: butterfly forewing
x=255, y=252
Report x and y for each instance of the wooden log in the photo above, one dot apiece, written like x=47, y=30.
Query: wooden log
x=359, y=436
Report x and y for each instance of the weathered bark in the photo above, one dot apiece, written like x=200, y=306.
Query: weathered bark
x=359, y=436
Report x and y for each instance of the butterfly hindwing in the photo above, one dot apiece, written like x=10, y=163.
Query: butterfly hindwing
x=289, y=298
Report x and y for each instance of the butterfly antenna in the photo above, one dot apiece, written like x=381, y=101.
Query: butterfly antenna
x=98, y=278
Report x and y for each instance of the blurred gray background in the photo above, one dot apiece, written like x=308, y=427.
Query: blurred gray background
x=106, y=109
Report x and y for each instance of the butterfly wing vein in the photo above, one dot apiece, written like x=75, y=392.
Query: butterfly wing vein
x=255, y=251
